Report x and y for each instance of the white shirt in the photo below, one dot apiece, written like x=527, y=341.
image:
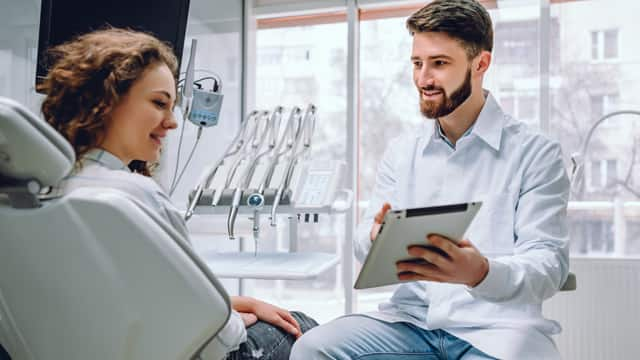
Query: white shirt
x=100, y=168
x=521, y=228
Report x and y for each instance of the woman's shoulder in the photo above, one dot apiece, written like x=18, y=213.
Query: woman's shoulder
x=93, y=175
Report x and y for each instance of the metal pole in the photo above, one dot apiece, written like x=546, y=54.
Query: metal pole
x=353, y=106
x=545, y=57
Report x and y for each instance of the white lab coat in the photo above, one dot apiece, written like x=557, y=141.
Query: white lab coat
x=522, y=228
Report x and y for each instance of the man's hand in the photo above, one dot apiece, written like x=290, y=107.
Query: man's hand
x=445, y=261
x=377, y=221
x=266, y=312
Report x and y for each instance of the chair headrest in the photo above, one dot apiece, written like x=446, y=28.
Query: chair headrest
x=30, y=148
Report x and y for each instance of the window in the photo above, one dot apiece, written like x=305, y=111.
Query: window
x=522, y=105
x=612, y=172
x=604, y=44
x=603, y=174
x=602, y=105
x=296, y=66
x=585, y=91
x=309, y=61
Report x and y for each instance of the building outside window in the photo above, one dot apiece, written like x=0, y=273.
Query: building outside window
x=604, y=44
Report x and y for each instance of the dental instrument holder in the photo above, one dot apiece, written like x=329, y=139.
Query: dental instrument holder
x=301, y=188
x=314, y=201
x=234, y=147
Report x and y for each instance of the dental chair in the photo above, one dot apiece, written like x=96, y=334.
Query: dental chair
x=92, y=274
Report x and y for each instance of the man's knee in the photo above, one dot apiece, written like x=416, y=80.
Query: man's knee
x=311, y=345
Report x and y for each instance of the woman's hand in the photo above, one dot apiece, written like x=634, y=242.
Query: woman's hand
x=248, y=319
x=268, y=313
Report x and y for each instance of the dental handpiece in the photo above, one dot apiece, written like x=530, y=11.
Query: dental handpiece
x=237, y=142
x=247, y=174
x=306, y=128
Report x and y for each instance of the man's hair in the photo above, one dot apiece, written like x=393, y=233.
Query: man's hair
x=464, y=20
x=89, y=76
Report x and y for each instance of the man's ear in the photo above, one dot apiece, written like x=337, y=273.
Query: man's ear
x=482, y=62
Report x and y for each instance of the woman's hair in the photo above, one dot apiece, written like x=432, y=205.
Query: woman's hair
x=88, y=77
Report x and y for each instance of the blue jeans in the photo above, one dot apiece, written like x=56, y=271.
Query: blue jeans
x=264, y=341
x=361, y=337
x=268, y=342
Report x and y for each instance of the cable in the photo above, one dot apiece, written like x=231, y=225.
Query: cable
x=210, y=73
x=175, y=172
x=216, y=83
x=195, y=145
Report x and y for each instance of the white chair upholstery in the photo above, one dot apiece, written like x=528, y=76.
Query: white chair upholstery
x=93, y=274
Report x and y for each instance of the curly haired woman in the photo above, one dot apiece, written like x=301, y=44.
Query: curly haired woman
x=111, y=94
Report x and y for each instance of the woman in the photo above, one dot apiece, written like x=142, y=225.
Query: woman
x=111, y=94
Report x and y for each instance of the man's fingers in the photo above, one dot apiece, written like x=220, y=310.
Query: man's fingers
x=443, y=244
x=418, y=266
x=431, y=256
x=411, y=271
x=378, y=220
x=380, y=215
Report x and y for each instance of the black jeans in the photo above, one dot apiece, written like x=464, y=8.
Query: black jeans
x=264, y=341
x=268, y=342
x=3, y=354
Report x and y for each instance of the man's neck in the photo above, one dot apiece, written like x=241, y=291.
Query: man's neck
x=460, y=120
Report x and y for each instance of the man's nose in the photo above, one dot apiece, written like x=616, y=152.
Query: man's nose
x=424, y=78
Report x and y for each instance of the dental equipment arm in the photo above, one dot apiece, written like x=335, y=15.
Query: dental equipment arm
x=233, y=148
x=256, y=144
x=308, y=127
x=287, y=141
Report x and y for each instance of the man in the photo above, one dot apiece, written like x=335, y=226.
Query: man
x=480, y=298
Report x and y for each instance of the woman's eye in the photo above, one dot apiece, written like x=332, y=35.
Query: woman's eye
x=160, y=104
x=439, y=62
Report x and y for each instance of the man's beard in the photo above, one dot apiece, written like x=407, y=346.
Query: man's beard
x=436, y=109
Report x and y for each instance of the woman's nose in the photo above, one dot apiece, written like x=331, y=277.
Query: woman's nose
x=170, y=122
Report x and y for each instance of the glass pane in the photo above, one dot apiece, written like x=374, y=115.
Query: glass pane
x=596, y=174
x=612, y=172
x=594, y=44
x=514, y=74
x=296, y=66
x=582, y=93
x=389, y=107
x=19, y=26
x=611, y=44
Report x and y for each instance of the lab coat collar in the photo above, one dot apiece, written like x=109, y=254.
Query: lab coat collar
x=488, y=126
x=490, y=122
x=105, y=158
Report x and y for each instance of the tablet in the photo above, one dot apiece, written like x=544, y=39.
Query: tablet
x=402, y=228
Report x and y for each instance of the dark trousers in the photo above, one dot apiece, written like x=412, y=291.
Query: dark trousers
x=3, y=354
x=267, y=342
x=264, y=341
